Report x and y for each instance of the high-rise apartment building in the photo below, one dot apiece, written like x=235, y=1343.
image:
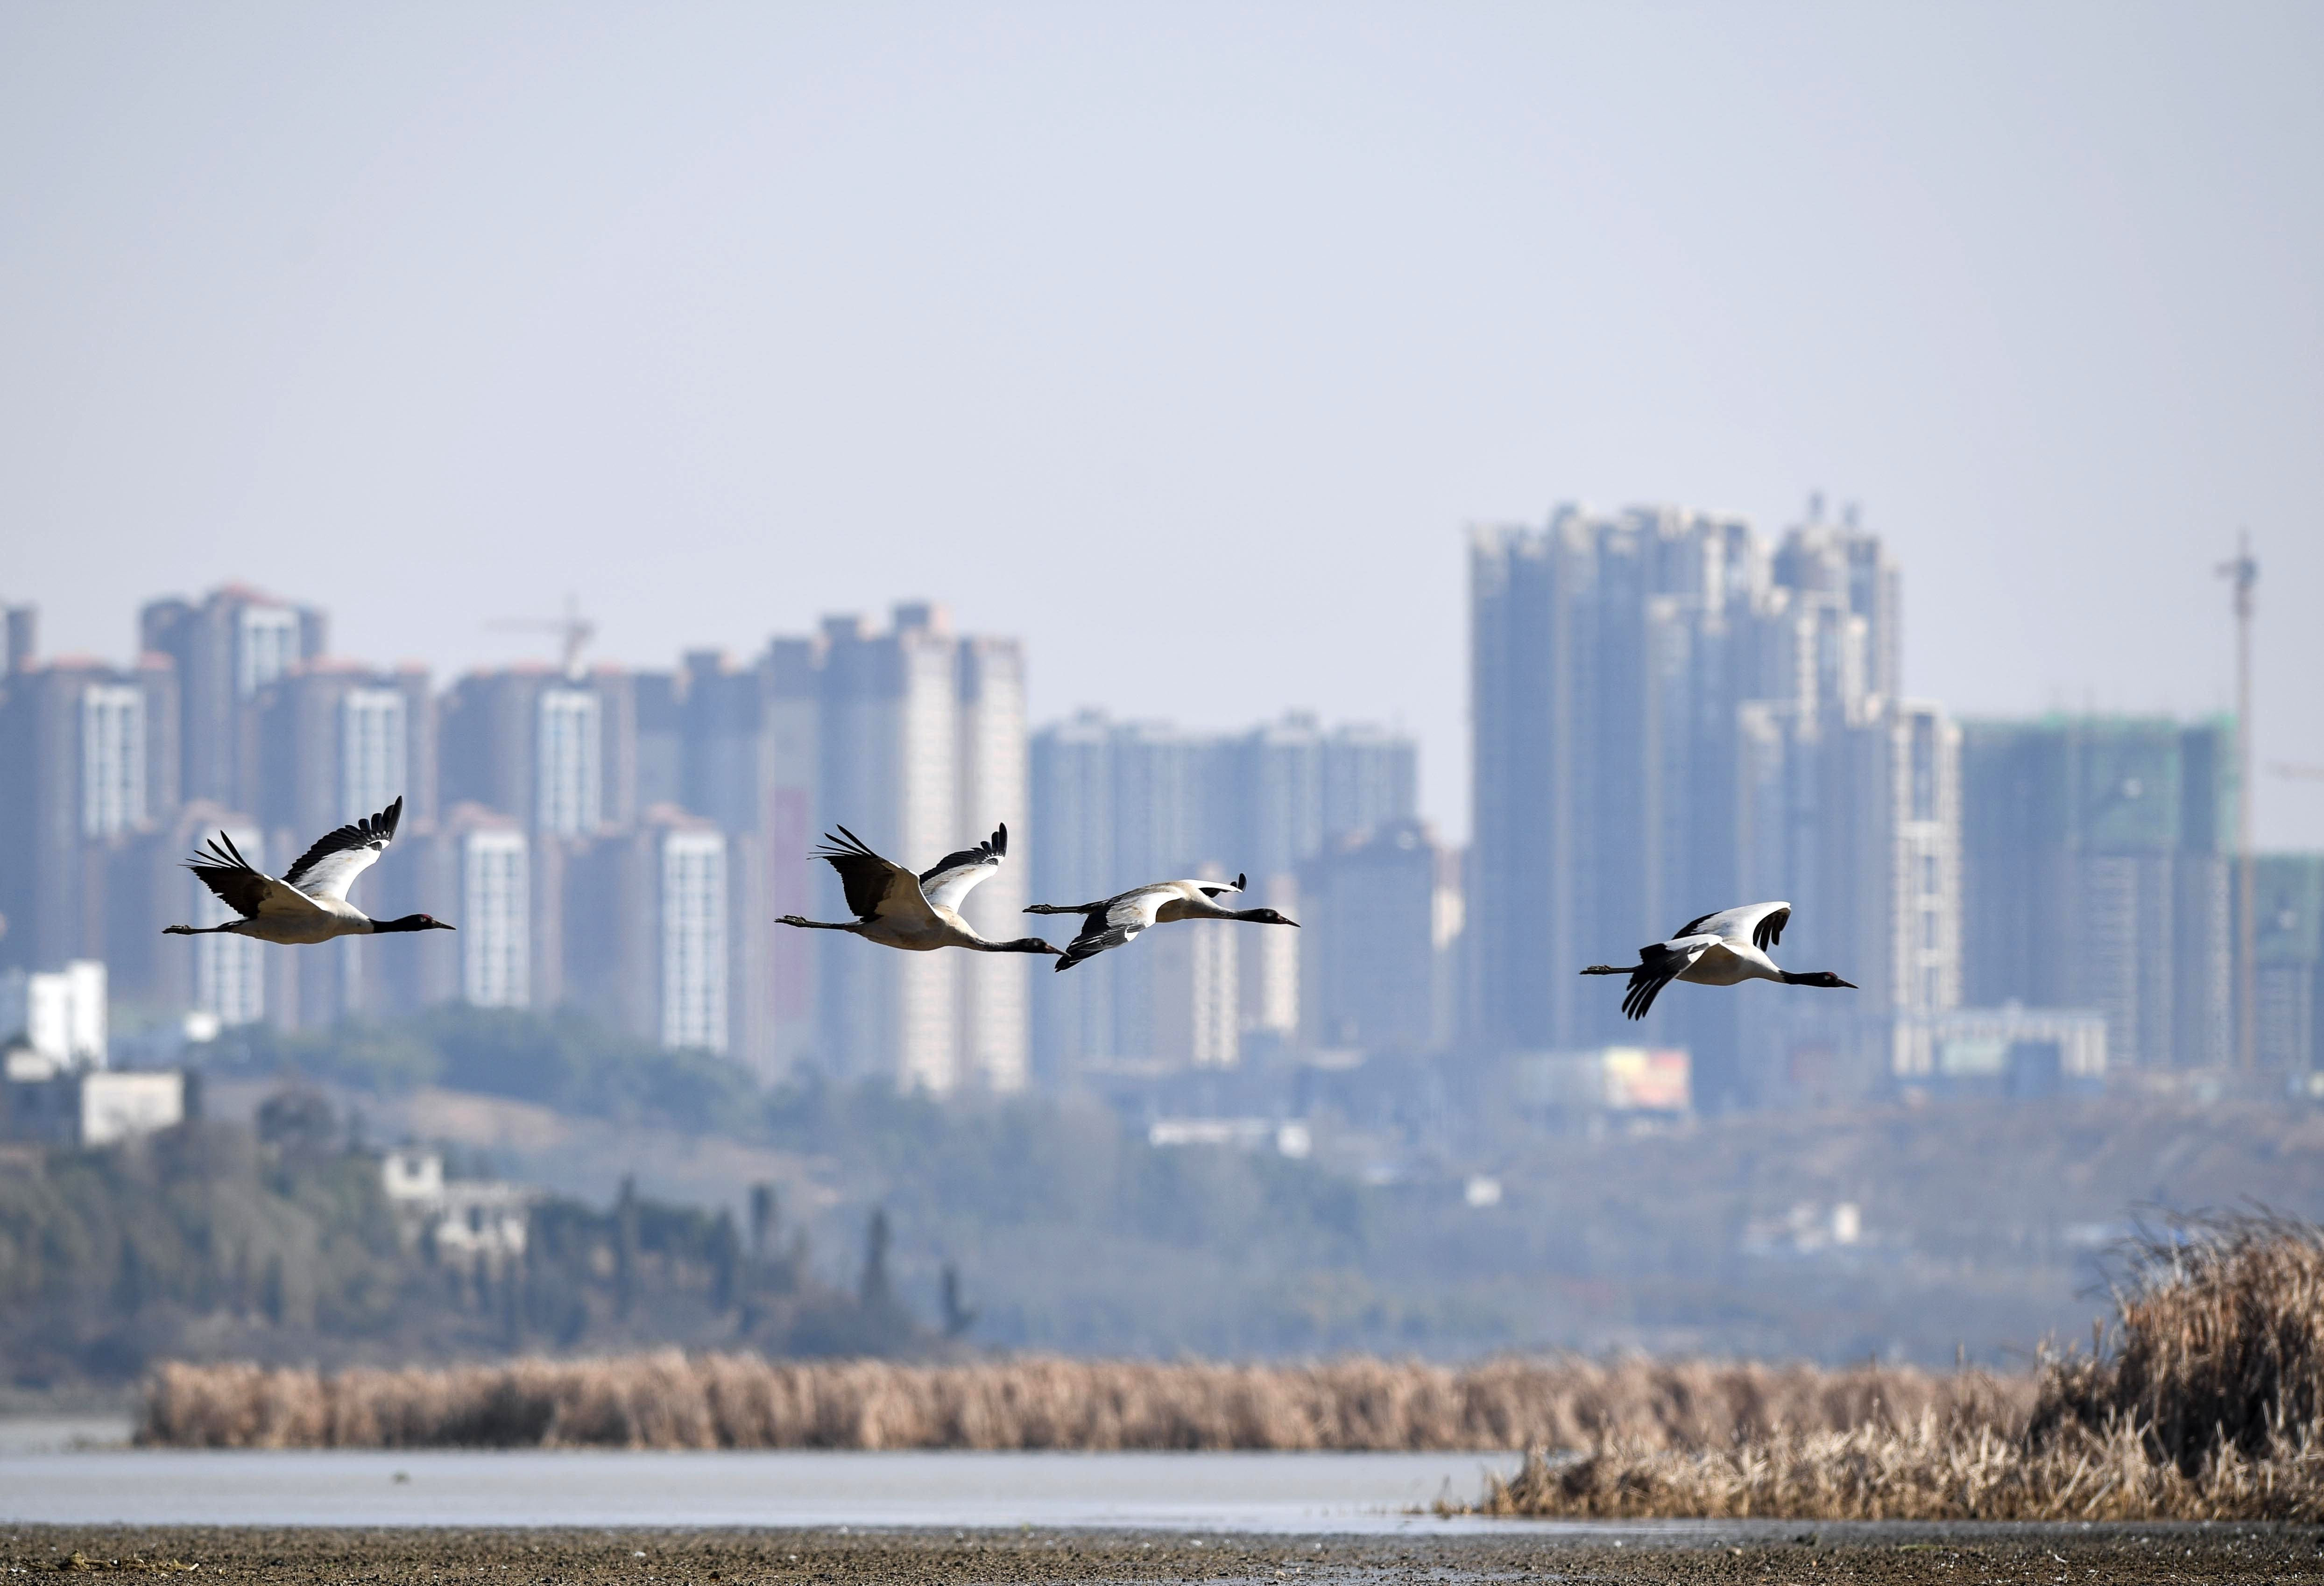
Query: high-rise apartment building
x=921, y=751
x=1072, y=860
x=335, y=741
x=20, y=644
x=1907, y=885
x=995, y=1012
x=88, y=760
x=148, y=887
x=1669, y=715
x=339, y=741
x=492, y=860
x=559, y=752
x=2095, y=865
x=782, y=981
x=474, y=866
x=661, y=738
x=228, y=646
x=721, y=721
x=1379, y=940
x=2288, y=978
x=1120, y=803
x=647, y=930
x=1850, y=572
x=1279, y=791
x=1194, y=972
x=1856, y=820
x=729, y=743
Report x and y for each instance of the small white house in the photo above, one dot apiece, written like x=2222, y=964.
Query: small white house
x=56, y=1016
x=96, y=1106
x=115, y=1105
x=413, y=1178
x=469, y=1223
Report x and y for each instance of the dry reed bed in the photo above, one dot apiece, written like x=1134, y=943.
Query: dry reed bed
x=2207, y=1408
x=672, y=1400
x=1926, y=1470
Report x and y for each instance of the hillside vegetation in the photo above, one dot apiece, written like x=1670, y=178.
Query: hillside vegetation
x=1979, y=1225
x=213, y=1241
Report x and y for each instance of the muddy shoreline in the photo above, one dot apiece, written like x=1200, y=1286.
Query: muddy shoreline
x=1759, y=1551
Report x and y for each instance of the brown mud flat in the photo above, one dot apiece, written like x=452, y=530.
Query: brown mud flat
x=1752, y=1552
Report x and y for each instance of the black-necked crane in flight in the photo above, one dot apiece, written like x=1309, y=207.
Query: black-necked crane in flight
x=1113, y=921
x=919, y=913
x=308, y=905
x=1722, y=949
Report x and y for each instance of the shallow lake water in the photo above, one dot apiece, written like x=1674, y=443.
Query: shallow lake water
x=61, y=1471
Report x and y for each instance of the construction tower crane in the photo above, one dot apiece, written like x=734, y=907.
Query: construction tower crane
x=574, y=632
x=2245, y=574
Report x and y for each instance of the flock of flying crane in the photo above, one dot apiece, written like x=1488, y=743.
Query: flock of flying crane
x=920, y=913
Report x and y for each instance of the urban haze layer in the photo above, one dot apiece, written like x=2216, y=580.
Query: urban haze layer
x=1452, y=1141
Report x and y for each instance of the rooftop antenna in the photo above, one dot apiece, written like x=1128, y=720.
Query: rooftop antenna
x=573, y=629
x=2244, y=573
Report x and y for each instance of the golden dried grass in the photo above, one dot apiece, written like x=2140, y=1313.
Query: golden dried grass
x=672, y=1400
x=1926, y=1470
x=2221, y=1339
x=2208, y=1408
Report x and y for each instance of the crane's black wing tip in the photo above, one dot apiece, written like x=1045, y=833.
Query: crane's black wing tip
x=1770, y=931
x=1644, y=988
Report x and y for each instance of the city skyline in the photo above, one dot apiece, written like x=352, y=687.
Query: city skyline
x=1670, y=707
x=1248, y=313
x=617, y=841
x=1444, y=793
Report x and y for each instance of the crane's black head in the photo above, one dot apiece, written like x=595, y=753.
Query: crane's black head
x=1822, y=977
x=412, y=922
x=1266, y=917
x=1030, y=945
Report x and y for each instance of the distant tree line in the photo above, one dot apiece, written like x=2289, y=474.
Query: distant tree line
x=278, y=1243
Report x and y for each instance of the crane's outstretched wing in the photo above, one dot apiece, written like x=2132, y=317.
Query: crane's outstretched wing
x=1761, y=923
x=1115, y=922
x=876, y=888
x=948, y=882
x=241, y=885
x=1659, y=963
x=1220, y=889
x=330, y=867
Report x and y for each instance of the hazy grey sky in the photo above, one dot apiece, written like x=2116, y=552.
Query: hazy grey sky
x=1181, y=340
